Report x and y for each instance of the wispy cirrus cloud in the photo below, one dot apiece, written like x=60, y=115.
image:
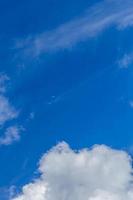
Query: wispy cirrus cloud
x=95, y=20
x=88, y=174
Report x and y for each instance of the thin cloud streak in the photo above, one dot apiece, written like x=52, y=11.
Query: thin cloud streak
x=95, y=20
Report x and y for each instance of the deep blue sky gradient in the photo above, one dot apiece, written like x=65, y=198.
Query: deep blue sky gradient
x=78, y=95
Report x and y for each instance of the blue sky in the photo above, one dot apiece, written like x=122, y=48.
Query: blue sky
x=65, y=75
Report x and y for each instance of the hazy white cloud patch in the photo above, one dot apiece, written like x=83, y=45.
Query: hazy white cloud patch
x=7, y=113
x=3, y=79
x=131, y=103
x=126, y=61
x=95, y=20
x=12, y=134
x=31, y=116
x=99, y=173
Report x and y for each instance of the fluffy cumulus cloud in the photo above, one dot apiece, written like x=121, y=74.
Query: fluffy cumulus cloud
x=99, y=173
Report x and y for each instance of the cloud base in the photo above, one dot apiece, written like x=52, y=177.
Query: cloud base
x=99, y=173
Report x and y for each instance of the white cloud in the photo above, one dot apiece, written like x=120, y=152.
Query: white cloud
x=96, y=19
x=126, y=60
x=100, y=173
x=11, y=135
x=3, y=79
x=7, y=111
